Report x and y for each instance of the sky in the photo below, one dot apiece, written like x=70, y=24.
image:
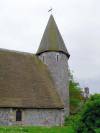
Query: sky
x=22, y=23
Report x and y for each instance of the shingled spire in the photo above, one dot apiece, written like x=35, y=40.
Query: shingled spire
x=52, y=39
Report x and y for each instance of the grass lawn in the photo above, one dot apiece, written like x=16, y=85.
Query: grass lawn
x=36, y=130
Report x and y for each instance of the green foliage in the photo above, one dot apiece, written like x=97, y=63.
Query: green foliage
x=90, y=116
x=97, y=130
x=94, y=97
x=72, y=120
x=36, y=130
x=76, y=98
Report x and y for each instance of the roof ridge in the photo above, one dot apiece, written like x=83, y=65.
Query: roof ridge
x=15, y=51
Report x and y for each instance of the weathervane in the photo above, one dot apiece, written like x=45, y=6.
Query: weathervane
x=50, y=10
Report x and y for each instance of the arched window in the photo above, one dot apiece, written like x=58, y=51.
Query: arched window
x=18, y=115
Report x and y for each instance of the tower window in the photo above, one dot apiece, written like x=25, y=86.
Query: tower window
x=18, y=115
x=43, y=58
x=57, y=57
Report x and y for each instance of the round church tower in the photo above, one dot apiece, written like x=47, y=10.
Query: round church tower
x=53, y=52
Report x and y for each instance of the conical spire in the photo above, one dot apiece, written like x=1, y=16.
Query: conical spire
x=52, y=39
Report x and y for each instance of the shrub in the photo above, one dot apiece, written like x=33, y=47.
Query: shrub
x=72, y=121
x=90, y=116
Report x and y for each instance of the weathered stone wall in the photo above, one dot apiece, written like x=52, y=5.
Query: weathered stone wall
x=6, y=116
x=57, y=63
x=45, y=117
x=38, y=117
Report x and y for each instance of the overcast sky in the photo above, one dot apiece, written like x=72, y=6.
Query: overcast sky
x=22, y=23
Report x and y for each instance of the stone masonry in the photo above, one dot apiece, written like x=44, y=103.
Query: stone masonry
x=57, y=63
x=38, y=117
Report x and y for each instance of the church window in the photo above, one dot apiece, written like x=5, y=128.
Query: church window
x=43, y=58
x=18, y=115
x=57, y=57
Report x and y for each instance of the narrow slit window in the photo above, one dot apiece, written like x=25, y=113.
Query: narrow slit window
x=57, y=57
x=18, y=115
x=43, y=58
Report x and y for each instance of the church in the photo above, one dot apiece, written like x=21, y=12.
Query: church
x=34, y=87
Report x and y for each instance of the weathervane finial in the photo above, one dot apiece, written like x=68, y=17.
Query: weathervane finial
x=50, y=10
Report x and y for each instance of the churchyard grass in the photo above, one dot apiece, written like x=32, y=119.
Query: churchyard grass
x=36, y=130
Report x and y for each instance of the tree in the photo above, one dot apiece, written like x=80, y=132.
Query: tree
x=75, y=93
